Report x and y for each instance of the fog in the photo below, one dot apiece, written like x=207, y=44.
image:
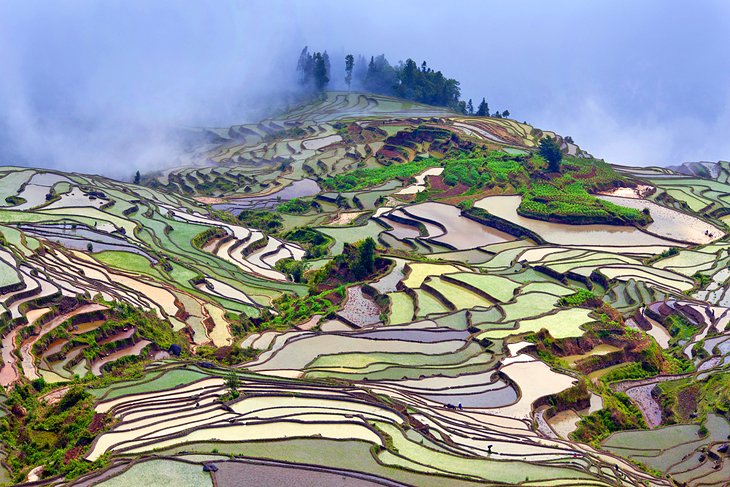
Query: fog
x=103, y=86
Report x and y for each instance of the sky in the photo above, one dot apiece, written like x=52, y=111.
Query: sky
x=101, y=86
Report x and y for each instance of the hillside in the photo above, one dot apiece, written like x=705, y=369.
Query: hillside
x=374, y=289
x=341, y=132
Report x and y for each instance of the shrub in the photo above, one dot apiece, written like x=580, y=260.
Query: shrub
x=316, y=243
x=261, y=219
x=294, y=269
x=579, y=298
x=629, y=371
x=205, y=236
x=297, y=206
x=702, y=279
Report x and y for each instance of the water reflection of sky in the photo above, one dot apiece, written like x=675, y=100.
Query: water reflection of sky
x=298, y=189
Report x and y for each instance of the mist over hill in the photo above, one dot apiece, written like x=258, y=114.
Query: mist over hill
x=99, y=87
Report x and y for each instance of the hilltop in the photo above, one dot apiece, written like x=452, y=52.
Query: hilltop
x=340, y=132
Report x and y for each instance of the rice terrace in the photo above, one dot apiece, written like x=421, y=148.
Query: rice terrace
x=372, y=286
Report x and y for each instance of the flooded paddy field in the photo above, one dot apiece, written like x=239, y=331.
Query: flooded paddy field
x=283, y=347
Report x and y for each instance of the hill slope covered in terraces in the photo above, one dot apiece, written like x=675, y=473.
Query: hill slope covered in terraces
x=371, y=288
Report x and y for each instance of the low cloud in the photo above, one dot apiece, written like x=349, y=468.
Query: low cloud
x=645, y=138
x=104, y=86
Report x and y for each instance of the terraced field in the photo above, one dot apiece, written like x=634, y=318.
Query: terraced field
x=234, y=320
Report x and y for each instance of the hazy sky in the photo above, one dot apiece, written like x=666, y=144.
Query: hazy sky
x=92, y=85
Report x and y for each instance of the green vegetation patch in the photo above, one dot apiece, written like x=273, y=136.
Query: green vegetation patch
x=573, y=204
x=129, y=261
x=618, y=413
x=314, y=242
x=261, y=219
x=55, y=436
x=298, y=206
x=366, y=178
x=483, y=170
x=686, y=400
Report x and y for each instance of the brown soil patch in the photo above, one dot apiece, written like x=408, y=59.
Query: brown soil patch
x=457, y=190
x=73, y=454
x=345, y=218
x=209, y=200
x=687, y=402
x=97, y=423
x=455, y=200
x=54, y=396
x=437, y=183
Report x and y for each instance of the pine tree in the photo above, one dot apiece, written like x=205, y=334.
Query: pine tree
x=349, y=65
x=327, y=65
x=381, y=77
x=304, y=67
x=360, y=70
x=483, y=109
x=372, y=70
x=408, y=80
x=470, y=107
x=137, y=177
x=550, y=150
x=320, y=73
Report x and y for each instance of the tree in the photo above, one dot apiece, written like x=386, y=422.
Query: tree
x=360, y=70
x=505, y=114
x=295, y=269
x=232, y=385
x=483, y=109
x=461, y=107
x=470, y=107
x=550, y=150
x=406, y=80
x=365, y=262
x=497, y=114
x=137, y=177
x=305, y=66
x=409, y=79
x=349, y=65
x=381, y=77
x=320, y=72
x=327, y=65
